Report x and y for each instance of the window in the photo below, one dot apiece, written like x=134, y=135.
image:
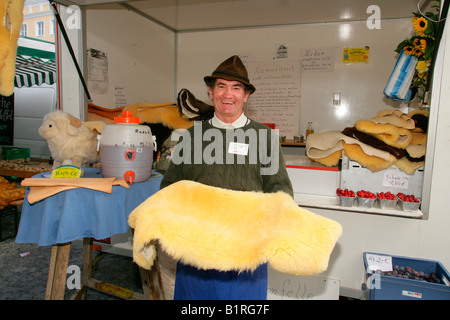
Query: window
x=39, y=31
x=52, y=27
x=27, y=10
x=24, y=30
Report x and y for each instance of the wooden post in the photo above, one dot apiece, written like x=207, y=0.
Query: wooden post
x=57, y=273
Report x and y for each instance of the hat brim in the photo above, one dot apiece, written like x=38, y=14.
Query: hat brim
x=209, y=80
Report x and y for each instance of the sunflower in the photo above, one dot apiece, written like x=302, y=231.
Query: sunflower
x=420, y=24
x=422, y=75
x=420, y=44
x=417, y=52
x=408, y=49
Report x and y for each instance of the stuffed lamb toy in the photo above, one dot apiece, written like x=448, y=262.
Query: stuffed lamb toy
x=69, y=140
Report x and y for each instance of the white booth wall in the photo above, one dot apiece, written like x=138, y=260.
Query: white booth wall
x=140, y=55
x=360, y=84
x=151, y=61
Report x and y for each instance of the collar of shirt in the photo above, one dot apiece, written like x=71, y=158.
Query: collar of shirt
x=238, y=123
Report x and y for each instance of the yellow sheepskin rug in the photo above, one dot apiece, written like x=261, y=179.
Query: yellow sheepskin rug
x=214, y=228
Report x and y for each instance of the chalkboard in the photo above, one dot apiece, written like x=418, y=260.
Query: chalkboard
x=7, y=120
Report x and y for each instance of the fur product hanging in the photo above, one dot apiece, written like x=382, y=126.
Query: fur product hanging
x=11, y=17
x=166, y=114
x=215, y=228
x=192, y=108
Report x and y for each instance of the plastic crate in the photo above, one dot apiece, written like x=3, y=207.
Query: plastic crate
x=384, y=287
x=12, y=153
x=7, y=229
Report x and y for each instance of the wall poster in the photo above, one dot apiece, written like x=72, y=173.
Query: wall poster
x=352, y=55
x=97, y=71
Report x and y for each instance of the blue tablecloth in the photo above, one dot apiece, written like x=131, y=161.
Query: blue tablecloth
x=80, y=213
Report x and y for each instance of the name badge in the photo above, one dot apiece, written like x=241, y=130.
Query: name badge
x=238, y=148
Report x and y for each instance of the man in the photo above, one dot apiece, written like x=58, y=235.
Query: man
x=235, y=153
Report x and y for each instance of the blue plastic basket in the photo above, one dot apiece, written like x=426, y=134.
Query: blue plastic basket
x=383, y=287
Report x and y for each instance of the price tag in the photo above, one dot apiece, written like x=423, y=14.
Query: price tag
x=378, y=262
x=396, y=179
x=66, y=171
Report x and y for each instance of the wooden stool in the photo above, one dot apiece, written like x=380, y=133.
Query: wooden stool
x=56, y=282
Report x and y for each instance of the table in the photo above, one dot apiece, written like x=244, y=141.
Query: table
x=23, y=168
x=83, y=213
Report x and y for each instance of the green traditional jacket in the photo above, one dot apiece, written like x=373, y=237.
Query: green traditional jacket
x=245, y=159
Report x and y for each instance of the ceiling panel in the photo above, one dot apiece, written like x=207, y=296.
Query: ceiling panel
x=188, y=15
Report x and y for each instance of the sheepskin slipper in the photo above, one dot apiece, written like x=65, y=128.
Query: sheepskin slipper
x=215, y=228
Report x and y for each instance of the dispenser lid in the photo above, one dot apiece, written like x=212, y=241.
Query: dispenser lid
x=127, y=118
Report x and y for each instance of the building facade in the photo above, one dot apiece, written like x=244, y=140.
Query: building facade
x=38, y=21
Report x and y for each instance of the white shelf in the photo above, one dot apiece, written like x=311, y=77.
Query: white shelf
x=327, y=202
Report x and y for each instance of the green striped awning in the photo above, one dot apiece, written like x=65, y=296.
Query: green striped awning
x=34, y=67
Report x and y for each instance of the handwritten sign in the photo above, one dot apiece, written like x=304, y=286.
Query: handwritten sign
x=318, y=60
x=396, y=179
x=378, y=262
x=7, y=120
x=277, y=96
x=120, y=96
x=97, y=71
x=283, y=286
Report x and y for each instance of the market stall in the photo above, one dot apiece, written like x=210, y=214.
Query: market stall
x=163, y=47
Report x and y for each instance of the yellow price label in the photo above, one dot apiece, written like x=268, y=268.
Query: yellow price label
x=351, y=55
x=66, y=171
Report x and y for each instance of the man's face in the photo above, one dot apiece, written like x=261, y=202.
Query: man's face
x=228, y=98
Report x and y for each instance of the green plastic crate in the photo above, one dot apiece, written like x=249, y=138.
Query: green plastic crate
x=12, y=153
